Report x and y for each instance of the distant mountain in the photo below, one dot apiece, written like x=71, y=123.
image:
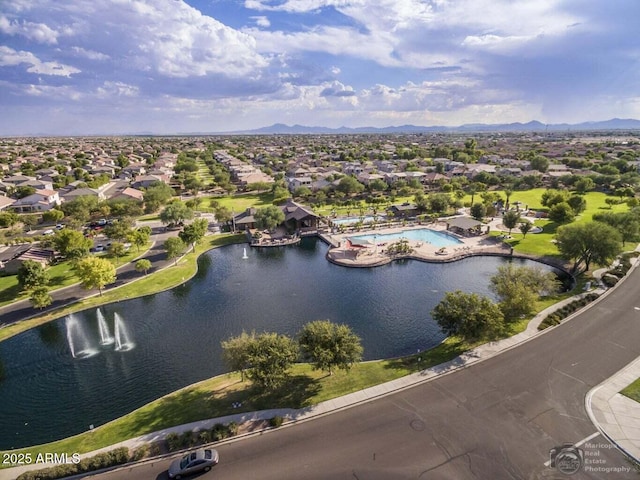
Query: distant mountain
x=533, y=126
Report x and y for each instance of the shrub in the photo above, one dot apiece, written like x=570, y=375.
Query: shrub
x=276, y=421
x=155, y=449
x=141, y=452
x=173, y=441
x=111, y=458
x=204, y=436
x=233, y=428
x=556, y=317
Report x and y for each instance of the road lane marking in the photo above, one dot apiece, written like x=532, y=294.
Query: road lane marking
x=577, y=444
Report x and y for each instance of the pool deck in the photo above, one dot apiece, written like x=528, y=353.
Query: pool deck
x=373, y=255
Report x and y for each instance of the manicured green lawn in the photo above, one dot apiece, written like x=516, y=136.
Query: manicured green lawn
x=632, y=391
x=239, y=203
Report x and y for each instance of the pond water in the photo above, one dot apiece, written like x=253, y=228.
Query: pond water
x=172, y=339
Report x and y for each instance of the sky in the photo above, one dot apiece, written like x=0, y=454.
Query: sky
x=81, y=67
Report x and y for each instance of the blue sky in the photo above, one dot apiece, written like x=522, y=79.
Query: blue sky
x=170, y=66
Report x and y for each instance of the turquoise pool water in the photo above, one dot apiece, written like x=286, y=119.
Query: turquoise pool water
x=438, y=239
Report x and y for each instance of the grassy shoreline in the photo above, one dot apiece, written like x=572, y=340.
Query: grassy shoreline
x=171, y=277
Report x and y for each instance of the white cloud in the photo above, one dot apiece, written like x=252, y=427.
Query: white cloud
x=11, y=57
x=90, y=54
x=38, y=32
x=261, y=21
x=117, y=89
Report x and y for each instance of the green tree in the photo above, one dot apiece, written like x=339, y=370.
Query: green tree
x=71, y=244
x=577, y=203
x=119, y=229
x=349, y=185
x=143, y=265
x=194, y=232
x=174, y=246
x=626, y=223
x=157, y=195
x=550, y=198
x=40, y=297
x=139, y=237
x=95, y=272
x=270, y=357
x=478, y=211
x=8, y=219
x=510, y=219
x=79, y=210
x=22, y=192
x=53, y=216
x=175, y=213
x=525, y=227
x=468, y=315
x=32, y=274
x=439, y=202
x=518, y=288
x=117, y=250
x=586, y=243
x=540, y=163
x=235, y=352
x=268, y=217
x=561, y=213
x=328, y=345
x=584, y=185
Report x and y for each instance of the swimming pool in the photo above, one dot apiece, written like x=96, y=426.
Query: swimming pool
x=438, y=239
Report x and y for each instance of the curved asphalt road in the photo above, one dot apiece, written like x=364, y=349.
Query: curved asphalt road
x=494, y=420
x=23, y=309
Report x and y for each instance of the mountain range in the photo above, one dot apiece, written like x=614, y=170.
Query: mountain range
x=533, y=126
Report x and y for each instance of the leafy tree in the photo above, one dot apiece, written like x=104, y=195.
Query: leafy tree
x=561, y=213
x=119, y=229
x=268, y=217
x=95, y=272
x=518, y=288
x=32, y=274
x=22, y=192
x=540, y=163
x=439, y=202
x=117, y=250
x=550, y=198
x=626, y=223
x=611, y=201
x=584, y=185
x=53, y=216
x=174, y=247
x=510, y=219
x=329, y=346
x=585, y=243
x=194, y=232
x=478, y=211
x=235, y=352
x=71, y=243
x=577, y=203
x=29, y=221
x=175, y=213
x=378, y=185
x=80, y=209
x=40, y=297
x=125, y=208
x=140, y=236
x=270, y=357
x=8, y=219
x=222, y=213
x=468, y=315
x=525, y=227
x=143, y=265
x=157, y=195
x=349, y=185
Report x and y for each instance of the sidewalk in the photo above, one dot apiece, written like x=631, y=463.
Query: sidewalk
x=617, y=417
x=291, y=416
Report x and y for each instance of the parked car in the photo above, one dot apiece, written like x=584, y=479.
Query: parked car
x=199, y=461
x=49, y=232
